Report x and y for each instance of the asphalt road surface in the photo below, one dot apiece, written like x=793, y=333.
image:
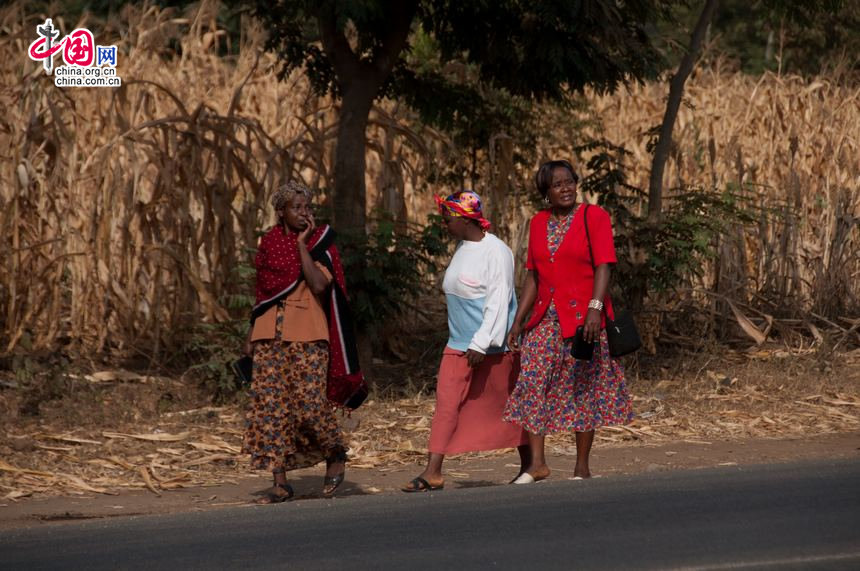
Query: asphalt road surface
x=795, y=516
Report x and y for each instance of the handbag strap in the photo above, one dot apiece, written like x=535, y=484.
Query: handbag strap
x=588, y=235
x=590, y=252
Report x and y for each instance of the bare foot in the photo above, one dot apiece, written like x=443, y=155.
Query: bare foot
x=333, y=469
x=539, y=473
x=581, y=472
x=276, y=494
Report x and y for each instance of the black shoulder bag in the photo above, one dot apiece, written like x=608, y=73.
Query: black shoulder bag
x=621, y=332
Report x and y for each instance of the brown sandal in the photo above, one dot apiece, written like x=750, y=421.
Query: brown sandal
x=270, y=496
x=331, y=483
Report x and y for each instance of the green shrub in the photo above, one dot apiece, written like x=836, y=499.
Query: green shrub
x=667, y=255
x=211, y=348
x=389, y=266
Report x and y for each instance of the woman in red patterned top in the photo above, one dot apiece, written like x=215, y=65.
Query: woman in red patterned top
x=556, y=392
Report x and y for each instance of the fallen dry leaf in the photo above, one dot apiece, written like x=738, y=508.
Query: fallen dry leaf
x=68, y=438
x=208, y=459
x=4, y=467
x=77, y=482
x=158, y=437
x=15, y=495
x=144, y=473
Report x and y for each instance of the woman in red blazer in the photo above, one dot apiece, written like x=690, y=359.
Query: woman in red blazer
x=563, y=290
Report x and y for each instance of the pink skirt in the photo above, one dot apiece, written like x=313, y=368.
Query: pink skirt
x=470, y=403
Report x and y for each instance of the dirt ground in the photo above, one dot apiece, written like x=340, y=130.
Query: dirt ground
x=116, y=443
x=464, y=471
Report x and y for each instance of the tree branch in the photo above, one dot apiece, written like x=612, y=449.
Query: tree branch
x=348, y=65
x=676, y=93
x=399, y=15
x=345, y=62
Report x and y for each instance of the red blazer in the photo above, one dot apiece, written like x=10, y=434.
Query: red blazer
x=567, y=278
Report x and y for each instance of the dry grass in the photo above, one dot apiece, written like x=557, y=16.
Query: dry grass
x=124, y=212
x=771, y=394
x=791, y=147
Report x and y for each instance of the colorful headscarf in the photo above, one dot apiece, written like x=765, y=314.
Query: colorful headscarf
x=463, y=203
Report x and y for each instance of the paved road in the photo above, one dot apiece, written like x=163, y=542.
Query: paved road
x=803, y=516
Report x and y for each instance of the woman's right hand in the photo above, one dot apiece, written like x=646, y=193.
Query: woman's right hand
x=514, y=337
x=309, y=228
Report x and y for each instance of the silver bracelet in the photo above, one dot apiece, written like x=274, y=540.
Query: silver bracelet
x=595, y=304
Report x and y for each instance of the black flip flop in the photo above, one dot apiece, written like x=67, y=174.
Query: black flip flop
x=419, y=484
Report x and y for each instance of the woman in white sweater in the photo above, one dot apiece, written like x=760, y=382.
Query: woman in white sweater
x=478, y=371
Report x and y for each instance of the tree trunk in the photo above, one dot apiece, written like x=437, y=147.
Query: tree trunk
x=500, y=187
x=359, y=78
x=350, y=192
x=676, y=94
x=391, y=185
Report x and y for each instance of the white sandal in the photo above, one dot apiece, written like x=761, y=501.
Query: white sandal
x=524, y=478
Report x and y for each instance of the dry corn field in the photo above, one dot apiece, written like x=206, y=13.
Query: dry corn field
x=125, y=211
x=790, y=146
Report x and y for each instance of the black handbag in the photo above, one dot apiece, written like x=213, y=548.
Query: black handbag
x=621, y=332
x=243, y=369
x=580, y=348
x=622, y=335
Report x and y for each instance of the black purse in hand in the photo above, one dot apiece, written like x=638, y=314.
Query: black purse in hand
x=243, y=369
x=621, y=332
x=580, y=348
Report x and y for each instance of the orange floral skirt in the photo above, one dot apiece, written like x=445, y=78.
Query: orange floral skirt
x=290, y=423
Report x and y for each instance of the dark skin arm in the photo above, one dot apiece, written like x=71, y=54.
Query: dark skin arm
x=591, y=330
x=474, y=358
x=527, y=300
x=315, y=279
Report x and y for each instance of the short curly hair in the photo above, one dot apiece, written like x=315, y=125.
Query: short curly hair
x=543, y=178
x=287, y=192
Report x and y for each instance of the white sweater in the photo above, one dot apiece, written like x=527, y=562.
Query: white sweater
x=479, y=290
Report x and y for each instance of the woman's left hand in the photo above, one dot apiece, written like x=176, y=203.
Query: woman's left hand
x=591, y=329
